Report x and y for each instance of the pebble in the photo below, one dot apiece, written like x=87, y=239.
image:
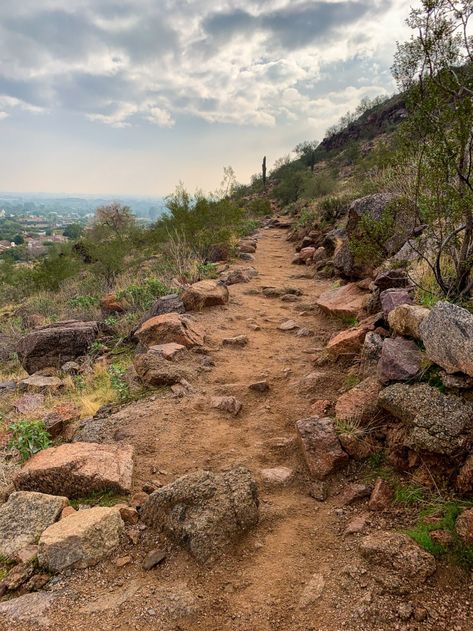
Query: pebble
x=153, y=558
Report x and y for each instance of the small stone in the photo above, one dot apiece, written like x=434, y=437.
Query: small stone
x=70, y=368
x=319, y=490
x=259, y=386
x=353, y=493
x=153, y=558
x=227, y=404
x=312, y=591
x=320, y=446
x=405, y=611
x=238, y=340
x=169, y=351
x=129, y=515
x=29, y=403
x=289, y=325
x=420, y=614
x=122, y=561
x=381, y=496
x=290, y=298
x=320, y=407
x=277, y=476
x=27, y=554
x=357, y=524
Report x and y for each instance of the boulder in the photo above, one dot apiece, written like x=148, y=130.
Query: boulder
x=348, y=300
x=171, y=303
x=395, y=552
x=392, y=298
x=447, y=333
x=464, y=479
x=53, y=345
x=112, y=304
x=238, y=275
x=171, y=327
x=23, y=518
x=41, y=384
x=236, y=341
x=30, y=609
x=78, y=470
x=436, y=422
x=359, y=403
x=400, y=360
x=153, y=370
x=81, y=540
x=406, y=320
x=344, y=262
x=464, y=526
x=320, y=446
x=205, y=293
x=204, y=511
x=306, y=254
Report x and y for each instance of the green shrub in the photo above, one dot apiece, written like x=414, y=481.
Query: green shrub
x=117, y=379
x=28, y=437
x=207, y=270
x=83, y=302
x=318, y=186
x=260, y=206
x=368, y=245
x=142, y=296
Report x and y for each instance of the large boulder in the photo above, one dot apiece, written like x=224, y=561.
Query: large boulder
x=53, y=345
x=406, y=320
x=23, y=518
x=205, y=293
x=78, y=470
x=204, y=511
x=436, y=422
x=394, y=552
x=82, y=540
x=346, y=301
x=400, y=360
x=320, y=446
x=171, y=327
x=447, y=333
x=154, y=370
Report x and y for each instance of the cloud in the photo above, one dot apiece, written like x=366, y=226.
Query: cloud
x=155, y=62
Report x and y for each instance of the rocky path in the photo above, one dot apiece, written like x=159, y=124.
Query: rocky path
x=295, y=571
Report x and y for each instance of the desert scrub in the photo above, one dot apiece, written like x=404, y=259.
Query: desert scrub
x=142, y=296
x=117, y=379
x=28, y=438
x=367, y=247
x=207, y=270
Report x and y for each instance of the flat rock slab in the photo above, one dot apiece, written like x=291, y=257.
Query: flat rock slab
x=168, y=351
x=38, y=383
x=171, y=327
x=81, y=540
x=437, y=422
x=78, y=470
x=204, y=511
x=205, y=293
x=23, y=518
x=320, y=446
x=348, y=300
x=29, y=608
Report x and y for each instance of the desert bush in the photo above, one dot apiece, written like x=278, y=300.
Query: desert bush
x=28, y=437
x=143, y=295
x=318, y=185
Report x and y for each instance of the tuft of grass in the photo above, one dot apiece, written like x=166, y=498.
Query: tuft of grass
x=408, y=494
x=350, y=427
x=376, y=460
x=100, y=498
x=351, y=381
x=349, y=321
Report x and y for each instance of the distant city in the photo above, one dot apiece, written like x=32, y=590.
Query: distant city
x=36, y=219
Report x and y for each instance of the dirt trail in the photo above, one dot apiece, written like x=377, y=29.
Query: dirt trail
x=259, y=584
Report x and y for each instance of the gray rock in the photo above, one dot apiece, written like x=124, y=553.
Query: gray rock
x=400, y=360
x=437, y=423
x=154, y=370
x=7, y=386
x=372, y=345
x=447, y=333
x=56, y=344
x=81, y=540
x=24, y=517
x=171, y=303
x=392, y=298
x=29, y=608
x=204, y=511
x=320, y=446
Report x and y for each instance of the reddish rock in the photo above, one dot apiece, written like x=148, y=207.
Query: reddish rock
x=111, y=304
x=168, y=351
x=348, y=300
x=443, y=537
x=464, y=526
x=129, y=515
x=357, y=444
x=67, y=511
x=205, y=293
x=78, y=469
x=353, y=493
x=347, y=342
x=400, y=360
x=320, y=446
x=359, y=403
x=464, y=480
x=277, y=476
x=171, y=327
x=320, y=407
x=306, y=254
x=357, y=524
x=29, y=403
x=381, y=496
x=392, y=298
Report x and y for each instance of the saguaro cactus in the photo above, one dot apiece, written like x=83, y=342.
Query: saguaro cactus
x=264, y=171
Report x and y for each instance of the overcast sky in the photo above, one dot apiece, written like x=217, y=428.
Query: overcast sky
x=131, y=96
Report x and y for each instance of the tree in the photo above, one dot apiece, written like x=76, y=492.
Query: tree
x=306, y=153
x=114, y=218
x=435, y=69
x=18, y=239
x=73, y=231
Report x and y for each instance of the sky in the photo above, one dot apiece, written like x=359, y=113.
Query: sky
x=134, y=96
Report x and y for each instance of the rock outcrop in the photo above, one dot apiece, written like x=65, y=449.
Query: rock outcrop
x=205, y=512
x=53, y=345
x=78, y=469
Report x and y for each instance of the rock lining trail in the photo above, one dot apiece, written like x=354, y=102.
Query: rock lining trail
x=294, y=571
